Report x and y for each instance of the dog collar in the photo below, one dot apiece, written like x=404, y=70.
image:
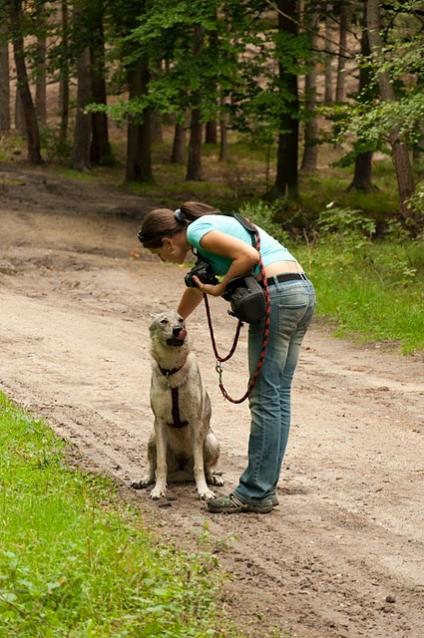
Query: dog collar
x=167, y=373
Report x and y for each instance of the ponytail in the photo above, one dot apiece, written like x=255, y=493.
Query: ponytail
x=164, y=222
x=194, y=210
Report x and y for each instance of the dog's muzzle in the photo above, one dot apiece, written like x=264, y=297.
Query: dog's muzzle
x=178, y=336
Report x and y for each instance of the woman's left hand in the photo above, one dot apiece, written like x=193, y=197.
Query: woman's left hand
x=209, y=289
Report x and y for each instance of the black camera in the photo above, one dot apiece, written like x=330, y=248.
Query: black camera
x=205, y=273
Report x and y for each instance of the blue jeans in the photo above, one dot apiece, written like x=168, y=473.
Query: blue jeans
x=292, y=306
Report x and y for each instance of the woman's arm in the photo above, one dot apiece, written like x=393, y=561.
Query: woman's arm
x=243, y=259
x=189, y=301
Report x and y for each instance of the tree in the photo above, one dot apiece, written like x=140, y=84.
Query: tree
x=40, y=62
x=80, y=158
x=363, y=158
x=64, y=75
x=310, y=152
x=287, y=180
x=341, y=63
x=100, y=151
x=4, y=79
x=31, y=124
x=400, y=152
x=328, y=44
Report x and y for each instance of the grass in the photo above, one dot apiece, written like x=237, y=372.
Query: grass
x=76, y=561
x=374, y=294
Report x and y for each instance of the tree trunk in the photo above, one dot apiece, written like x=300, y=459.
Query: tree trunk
x=211, y=136
x=40, y=85
x=19, y=113
x=100, y=151
x=287, y=180
x=4, y=81
x=82, y=134
x=341, y=65
x=139, y=163
x=400, y=153
x=363, y=162
x=64, y=78
x=223, y=132
x=194, y=162
x=178, y=144
x=310, y=152
x=328, y=44
x=31, y=124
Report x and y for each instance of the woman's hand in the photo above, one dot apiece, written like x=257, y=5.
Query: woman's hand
x=216, y=290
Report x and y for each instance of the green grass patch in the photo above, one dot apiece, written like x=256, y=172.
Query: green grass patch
x=76, y=561
x=375, y=293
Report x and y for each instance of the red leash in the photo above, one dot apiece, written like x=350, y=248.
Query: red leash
x=265, y=338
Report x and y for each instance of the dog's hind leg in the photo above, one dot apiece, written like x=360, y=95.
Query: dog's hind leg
x=211, y=458
x=149, y=476
x=199, y=467
x=161, y=465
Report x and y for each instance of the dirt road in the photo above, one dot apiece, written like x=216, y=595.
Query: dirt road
x=343, y=555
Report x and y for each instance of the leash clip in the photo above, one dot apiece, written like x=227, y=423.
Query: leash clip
x=219, y=370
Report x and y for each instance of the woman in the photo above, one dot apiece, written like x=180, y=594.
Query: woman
x=223, y=242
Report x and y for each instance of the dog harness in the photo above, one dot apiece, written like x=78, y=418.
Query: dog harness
x=176, y=420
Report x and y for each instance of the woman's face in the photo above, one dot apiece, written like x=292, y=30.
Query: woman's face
x=173, y=249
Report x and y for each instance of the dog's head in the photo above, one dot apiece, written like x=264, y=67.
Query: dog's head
x=168, y=329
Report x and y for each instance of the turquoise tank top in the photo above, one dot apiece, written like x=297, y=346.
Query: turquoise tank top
x=271, y=249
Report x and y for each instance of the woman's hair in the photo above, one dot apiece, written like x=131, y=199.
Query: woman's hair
x=164, y=222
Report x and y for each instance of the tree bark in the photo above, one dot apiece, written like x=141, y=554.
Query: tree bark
x=178, y=144
x=362, y=177
x=31, y=124
x=64, y=78
x=223, y=132
x=194, y=161
x=287, y=179
x=400, y=153
x=139, y=163
x=100, y=151
x=41, y=80
x=80, y=159
x=4, y=81
x=19, y=113
x=310, y=152
x=328, y=44
x=211, y=135
x=341, y=64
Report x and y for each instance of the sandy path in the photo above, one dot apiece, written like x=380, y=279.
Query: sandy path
x=349, y=531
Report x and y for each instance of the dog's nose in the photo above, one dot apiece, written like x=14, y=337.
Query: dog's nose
x=176, y=331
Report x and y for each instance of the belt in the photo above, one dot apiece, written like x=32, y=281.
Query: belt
x=287, y=276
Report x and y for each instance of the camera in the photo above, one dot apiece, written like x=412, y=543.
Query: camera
x=205, y=273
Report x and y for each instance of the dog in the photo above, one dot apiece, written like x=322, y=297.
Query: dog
x=182, y=445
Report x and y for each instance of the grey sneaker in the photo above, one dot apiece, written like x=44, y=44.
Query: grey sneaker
x=274, y=500
x=233, y=505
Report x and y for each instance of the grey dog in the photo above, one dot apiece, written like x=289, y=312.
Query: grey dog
x=182, y=445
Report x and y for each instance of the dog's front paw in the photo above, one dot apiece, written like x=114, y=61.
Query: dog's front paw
x=158, y=492
x=215, y=479
x=142, y=483
x=206, y=495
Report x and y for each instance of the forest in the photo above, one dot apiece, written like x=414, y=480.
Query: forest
x=308, y=114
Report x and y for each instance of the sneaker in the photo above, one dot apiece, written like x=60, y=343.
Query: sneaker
x=233, y=505
x=274, y=500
